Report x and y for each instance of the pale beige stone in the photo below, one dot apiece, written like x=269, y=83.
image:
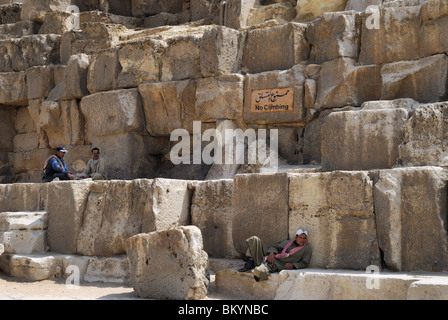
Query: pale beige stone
x=379, y=132
x=169, y=264
x=309, y=10
x=404, y=197
x=336, y=208
x=265, y=215
x=211, y=212
x=276, y=48
x=425, y=136
x=424, y=80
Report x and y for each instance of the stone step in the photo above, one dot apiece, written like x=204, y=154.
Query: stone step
x=50, y=265
x=325, y=284
x=23, y=231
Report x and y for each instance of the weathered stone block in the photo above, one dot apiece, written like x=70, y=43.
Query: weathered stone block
x=76, y=76
x=220, y=52
x=287, y=47
x=176, y=104
x=424, y=80
x=168, y=205
x=379, y=132
x=112, y=112
x=14, y=89
x=181, y=59
x=65, y=218
x=265, y=215
x=333, y=36
x=424, y=136
x=111, y=270
x=139, y=62
x=310, y=10
x=113, y=212
x=342, y=82
x=211, y=212
x=387, y=44
x=23, y=197
x=103, y=71
x=40, y=81
x=408, y=203
x=337, y=210
x=169, y=264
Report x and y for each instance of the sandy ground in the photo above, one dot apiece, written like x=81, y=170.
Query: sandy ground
x=20, y=289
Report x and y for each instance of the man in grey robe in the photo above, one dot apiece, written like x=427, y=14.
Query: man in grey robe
x=287, y=254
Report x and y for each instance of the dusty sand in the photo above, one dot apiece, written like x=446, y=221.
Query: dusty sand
x=19, y=289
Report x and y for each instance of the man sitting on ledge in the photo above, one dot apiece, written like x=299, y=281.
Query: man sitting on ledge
x=288, y=254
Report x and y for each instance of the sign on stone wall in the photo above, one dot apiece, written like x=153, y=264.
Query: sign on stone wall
x=272, y=100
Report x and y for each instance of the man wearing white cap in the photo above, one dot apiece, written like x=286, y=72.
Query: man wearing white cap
x=55, y=167
x=287, y=254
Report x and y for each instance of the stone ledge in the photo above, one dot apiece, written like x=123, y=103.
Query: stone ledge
x=323, y=284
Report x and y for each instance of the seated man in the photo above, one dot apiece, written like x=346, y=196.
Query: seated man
x=55, y=167
x=288, y=254
x=95, y=168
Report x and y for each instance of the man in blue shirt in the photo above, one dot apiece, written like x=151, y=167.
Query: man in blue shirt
x=55, y=167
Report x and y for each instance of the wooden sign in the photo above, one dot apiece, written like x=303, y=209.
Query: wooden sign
x=272, y=100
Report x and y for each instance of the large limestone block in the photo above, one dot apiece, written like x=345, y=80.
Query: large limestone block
x=176, y=104
x=59, y=122
x=139, y=61
x=425, y=136
x=36, y=10
x=169, y=264
x=113, y=212
x=76, y=76
x=276, y=48
x=23, y=197
x=40, y=81
x=333, y=36
x=103, y=71
x=211, y=212
x=220, y=51
x=424, y=80
x=434, y=23
x=14, y=89
x=23, y=220
x=236, y=12
x=369, y=139
x=91, y=39
x=65, y=218
x=337, y=210
x=112, y=112
x=291, y=78
x=168, y=205
x=17, y=30
x=39, y=267
x=28, y=51
x=309, y=10
x=387, y=43
x=315, y=284
x=343, y=82
x=260, y=208
x=23, y=241
x=24, y=122
x=410, y=204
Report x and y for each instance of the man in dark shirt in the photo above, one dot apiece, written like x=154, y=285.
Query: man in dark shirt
x=55, y=167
